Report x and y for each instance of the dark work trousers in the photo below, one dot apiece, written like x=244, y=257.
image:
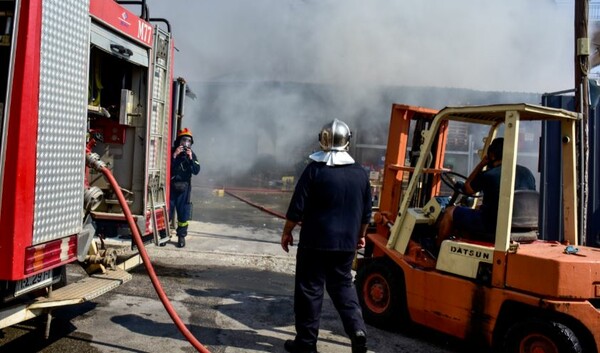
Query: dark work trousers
x=180, y=201
x=316, y=270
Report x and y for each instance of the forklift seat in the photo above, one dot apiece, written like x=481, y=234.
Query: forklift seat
x=526, y=205
x=524, y=225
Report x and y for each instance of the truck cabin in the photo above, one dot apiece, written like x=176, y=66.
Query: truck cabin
x=416, y=225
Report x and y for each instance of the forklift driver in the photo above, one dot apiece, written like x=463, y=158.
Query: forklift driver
x=480, y=224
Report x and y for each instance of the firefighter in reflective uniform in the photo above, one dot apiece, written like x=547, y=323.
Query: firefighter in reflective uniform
x=184, y=164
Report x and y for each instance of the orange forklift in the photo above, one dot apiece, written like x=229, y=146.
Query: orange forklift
x=517, y=294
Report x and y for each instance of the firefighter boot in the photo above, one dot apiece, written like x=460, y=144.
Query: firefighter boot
x=181, y=233
x=359, y=342
x=293, y=347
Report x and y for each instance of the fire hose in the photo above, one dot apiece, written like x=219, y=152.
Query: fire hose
x=97, y=164
x=253, y=204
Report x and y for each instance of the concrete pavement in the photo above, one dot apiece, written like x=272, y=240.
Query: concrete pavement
x=232, y=285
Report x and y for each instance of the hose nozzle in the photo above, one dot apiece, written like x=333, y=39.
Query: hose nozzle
x=93, y=161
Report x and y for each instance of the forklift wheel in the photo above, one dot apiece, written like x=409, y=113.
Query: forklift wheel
x=380, y=288
x=533, y=336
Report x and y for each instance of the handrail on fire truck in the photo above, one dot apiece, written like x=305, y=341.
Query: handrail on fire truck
x=145, y=11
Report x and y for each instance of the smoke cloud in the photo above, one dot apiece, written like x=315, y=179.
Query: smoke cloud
x=269, y=73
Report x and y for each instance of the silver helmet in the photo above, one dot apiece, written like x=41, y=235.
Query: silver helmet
x=335, y=136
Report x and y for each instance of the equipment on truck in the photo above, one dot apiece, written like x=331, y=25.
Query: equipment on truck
x=79, y=81
x=518, y=293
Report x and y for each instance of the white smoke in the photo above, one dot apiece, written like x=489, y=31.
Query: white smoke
x=510, y=45
x=231, y=48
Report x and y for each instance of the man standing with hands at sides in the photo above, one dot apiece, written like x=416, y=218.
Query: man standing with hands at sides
x=184, y=164
x=333, y=201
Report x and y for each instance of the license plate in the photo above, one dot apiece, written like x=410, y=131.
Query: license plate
x=36, y=281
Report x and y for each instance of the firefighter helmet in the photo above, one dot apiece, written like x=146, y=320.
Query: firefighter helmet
x=185, y=132
x=335, y=136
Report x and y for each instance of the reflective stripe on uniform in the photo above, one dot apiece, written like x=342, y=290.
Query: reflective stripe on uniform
x=182, y=224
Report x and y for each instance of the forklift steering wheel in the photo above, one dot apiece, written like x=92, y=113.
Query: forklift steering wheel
x=456, y=181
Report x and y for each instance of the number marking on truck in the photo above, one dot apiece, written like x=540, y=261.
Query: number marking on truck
x=36, y=281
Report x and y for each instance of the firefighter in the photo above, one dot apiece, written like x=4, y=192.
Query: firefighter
x=184, y=164
x=333, y=201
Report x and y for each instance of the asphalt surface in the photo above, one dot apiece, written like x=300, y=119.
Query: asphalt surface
x=232, y=285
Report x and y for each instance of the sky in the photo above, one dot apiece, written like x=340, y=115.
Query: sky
x=356, y=46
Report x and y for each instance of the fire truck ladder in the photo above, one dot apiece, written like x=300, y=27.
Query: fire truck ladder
x=159, y=134
x=154, y=189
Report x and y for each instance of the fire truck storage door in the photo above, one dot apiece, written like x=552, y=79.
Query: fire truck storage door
x=61, y=126
x=118, y=46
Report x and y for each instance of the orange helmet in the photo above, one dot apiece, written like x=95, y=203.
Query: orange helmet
x=185, y=132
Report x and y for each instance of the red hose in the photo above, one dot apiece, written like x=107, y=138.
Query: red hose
x=157, y=286
x=262, y=208
x=266, y=191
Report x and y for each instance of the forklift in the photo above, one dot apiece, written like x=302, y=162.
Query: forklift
x=518, y=293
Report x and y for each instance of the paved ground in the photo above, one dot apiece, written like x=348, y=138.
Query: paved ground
x=232, y=285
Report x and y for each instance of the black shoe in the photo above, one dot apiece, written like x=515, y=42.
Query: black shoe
x=163, y=240
x=359, y=342
x=181, y=242
x=292, y=347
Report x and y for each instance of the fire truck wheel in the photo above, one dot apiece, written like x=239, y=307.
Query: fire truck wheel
x=537, y=336
x=380, y=288
x=63, y=278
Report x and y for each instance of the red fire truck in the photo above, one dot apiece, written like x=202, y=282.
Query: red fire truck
x=80, y=80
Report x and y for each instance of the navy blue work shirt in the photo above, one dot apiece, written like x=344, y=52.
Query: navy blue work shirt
x=489, y=183
x=182, y=167
x=332, y=202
